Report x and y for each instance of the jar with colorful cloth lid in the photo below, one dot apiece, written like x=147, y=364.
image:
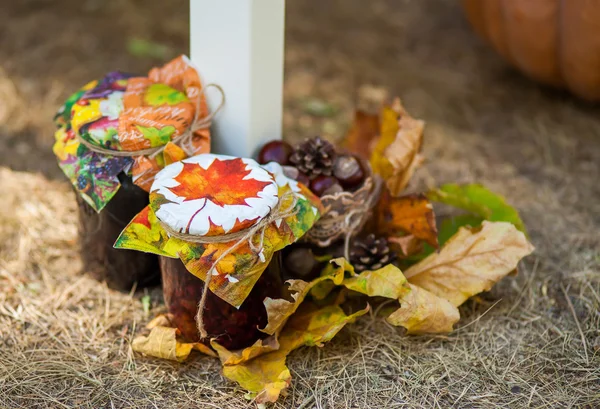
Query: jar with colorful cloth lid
x=113, y=137
x=218, y=223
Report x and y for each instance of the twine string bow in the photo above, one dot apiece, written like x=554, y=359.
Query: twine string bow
x=254, y=236
x=184, y=140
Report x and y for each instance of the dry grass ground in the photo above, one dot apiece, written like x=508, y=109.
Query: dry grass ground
x=534, y=341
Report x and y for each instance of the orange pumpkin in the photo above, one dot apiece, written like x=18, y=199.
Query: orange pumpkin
x=556, y=42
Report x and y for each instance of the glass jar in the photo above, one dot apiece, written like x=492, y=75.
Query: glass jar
x=121, y=269
x=233, y=328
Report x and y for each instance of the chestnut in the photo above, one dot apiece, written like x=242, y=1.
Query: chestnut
x=275, y=151
x=349, y=171
x=321, y=184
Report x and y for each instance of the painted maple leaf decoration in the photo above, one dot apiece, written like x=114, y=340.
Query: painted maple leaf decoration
x=223, y=183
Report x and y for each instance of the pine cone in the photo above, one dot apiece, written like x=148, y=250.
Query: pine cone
x=371, y=253
x=314, y=157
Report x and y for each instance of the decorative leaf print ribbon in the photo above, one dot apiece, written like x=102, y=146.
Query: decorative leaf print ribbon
x=184, y=140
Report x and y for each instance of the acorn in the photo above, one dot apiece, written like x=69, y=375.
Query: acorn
x=275, y=151
x=349, y=171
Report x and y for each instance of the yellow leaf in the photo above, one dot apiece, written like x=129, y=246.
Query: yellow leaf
x=336, y=267
x=314, y=326
x=422, y=312
x=263, y=377
x=279, y=310
x=260, y=347
x=386, y=282
x=267, y=375
x=162, y=343
x=472, y=261
x=396, y=155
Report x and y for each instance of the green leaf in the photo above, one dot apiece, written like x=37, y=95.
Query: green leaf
x=319, y=108
x=138, y=47
x=146, y=304
x=450, y=226
x=479, y=200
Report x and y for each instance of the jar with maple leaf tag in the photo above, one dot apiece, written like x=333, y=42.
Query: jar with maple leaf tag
x=113, y=136
x=219, y=223
x=233, y=328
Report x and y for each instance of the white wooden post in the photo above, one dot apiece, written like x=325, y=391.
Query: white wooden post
x=238, y=44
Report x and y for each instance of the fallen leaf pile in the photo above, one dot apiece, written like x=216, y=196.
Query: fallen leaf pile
x=436, y=272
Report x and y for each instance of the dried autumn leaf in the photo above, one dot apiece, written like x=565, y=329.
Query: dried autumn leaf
x=363, y=134
x=408, y=245
x=396, y=155
x=479, y=200
x=386, y=282
x=422, y=312
x=279, y=310
x=162, y=343
x=264, y=377
x=267, y=375
x=472, y=261
x=412, y=214
x=337, y=268
x=260, y=347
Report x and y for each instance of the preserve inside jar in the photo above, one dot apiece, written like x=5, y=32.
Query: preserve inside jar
x=121, y=269
x=233, y=328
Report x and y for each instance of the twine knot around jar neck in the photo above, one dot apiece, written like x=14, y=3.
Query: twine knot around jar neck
x=253, y=235
x=184, y=140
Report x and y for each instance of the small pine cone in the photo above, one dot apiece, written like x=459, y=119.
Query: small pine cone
x=314, y=157
x=371, y=253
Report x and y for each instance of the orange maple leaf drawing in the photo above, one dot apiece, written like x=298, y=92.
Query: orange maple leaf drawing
x=223, y=183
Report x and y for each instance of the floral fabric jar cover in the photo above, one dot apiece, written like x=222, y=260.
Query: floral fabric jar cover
x=129, y=115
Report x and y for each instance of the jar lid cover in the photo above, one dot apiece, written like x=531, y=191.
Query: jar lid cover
x=212, y=195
